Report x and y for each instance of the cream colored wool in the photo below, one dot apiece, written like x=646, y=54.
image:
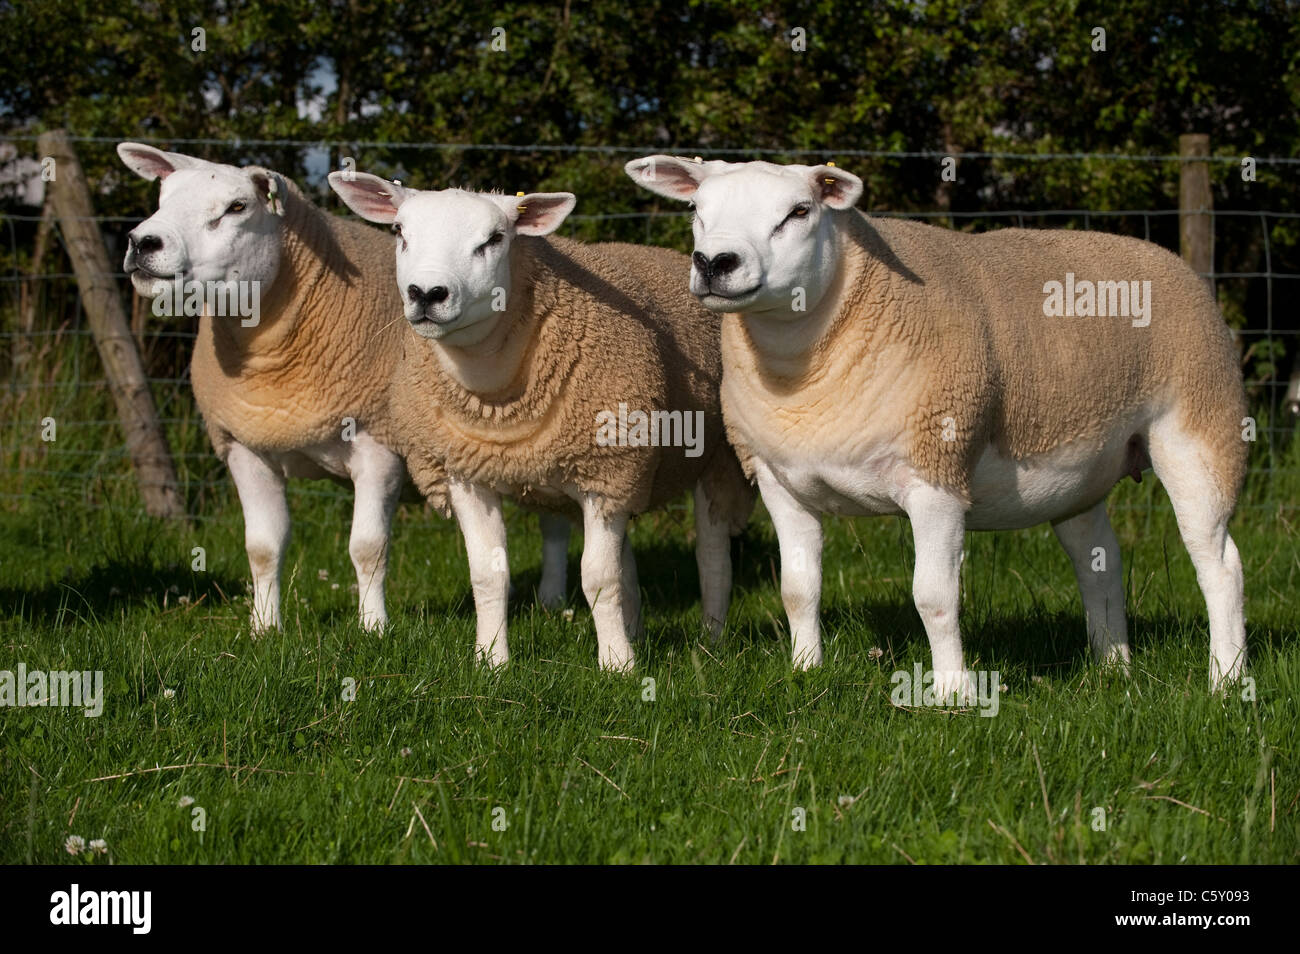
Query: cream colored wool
x=324, y=349
x=927, y=324
x=597, y=325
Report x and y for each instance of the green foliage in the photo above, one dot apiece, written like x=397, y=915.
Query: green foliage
x=578, y=88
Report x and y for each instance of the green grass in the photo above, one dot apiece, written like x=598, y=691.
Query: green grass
x=581, y=767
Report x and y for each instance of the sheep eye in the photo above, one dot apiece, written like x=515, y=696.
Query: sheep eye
x=798, y=212
x=496, y=238
x=397, y=230
x=236, y=207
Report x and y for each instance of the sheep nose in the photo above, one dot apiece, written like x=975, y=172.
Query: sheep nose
x=720, y=264
x=146, y=243
x=434, y=295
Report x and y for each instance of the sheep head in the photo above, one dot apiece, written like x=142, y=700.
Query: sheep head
x=765, y=237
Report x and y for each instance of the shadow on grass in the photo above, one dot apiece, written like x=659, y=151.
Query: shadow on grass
x=113, y=584
x=1039, y=643
x=666, y=571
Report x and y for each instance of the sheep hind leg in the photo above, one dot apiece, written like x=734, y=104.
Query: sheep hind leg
x=1203, y=507
x=713, y=558
x=632, y=621
x=553, y=589
x=1089, y=541
x=603, y=545
x=377, y=475
x=266, y=530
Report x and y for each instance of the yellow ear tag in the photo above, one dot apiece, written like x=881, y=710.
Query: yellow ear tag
x=522, y=207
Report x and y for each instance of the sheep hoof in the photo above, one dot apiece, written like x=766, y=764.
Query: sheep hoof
x=1115, y=660
x=807, y=658
x=613, y=660
x=374, y=622
x=954, y=688
x=258, y=628
x=551, y=599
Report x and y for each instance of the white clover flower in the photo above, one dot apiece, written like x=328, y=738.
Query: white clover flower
x=75, y=845
x=169, y=693
x=875, y=652
x=323, y=574
x=846, y=800
x=185, y=801
x=406, y=751
x=99, y=846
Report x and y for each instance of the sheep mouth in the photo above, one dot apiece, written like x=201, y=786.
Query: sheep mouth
x=145, y=280
x=732, y=298
x=429, y=321
x=145, y=272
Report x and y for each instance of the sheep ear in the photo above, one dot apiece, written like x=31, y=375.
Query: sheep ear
x=838, y=189
x=372, y=198
x=670, y=176
x=540, y=213
x=270, y=189
x=150, y=163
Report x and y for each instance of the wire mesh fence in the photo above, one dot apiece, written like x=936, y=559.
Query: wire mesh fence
x=55, y=377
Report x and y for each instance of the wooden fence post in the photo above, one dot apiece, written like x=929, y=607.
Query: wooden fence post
x=1195, y=205
x=145, y=440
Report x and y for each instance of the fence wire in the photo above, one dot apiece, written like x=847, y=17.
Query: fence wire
x=88, y=467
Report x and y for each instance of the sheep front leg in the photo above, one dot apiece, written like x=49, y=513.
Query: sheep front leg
x=266, y=530
x=554, y=586
x=478, y=512
x=377, y=475
x=799, y=536
x=603, y=580
x=938, y=530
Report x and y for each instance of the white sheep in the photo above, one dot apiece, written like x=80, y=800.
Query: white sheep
x=971, y=382
x=299, y=386
x=573, y=377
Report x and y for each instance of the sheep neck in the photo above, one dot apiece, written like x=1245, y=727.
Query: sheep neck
x=496, y=368
x=311, y=271
x=791, y=347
